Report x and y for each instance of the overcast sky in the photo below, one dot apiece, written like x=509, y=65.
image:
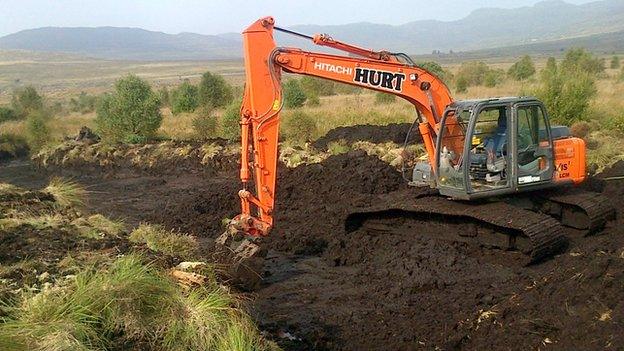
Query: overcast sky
x=220, y=16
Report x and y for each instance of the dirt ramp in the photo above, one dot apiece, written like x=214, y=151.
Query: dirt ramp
x=394, y=132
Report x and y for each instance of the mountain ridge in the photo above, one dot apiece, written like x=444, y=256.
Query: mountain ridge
x=483, y=28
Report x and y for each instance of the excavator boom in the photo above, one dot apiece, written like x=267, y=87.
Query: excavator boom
x=264, y=64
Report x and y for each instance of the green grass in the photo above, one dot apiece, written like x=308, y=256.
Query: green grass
x=168, y=242
x=128, y=302
x=98, y=226
x=66, y=193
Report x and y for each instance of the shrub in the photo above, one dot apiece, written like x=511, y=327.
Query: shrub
x=580, y=129
x=205, y=124
x=384, y=98
x=37, y=129
x=230, y=121
x=294, y=95
x=461, y=85
x=435, y=68
x=7, y=114
x=131, y=113
x=615, y=62
x=493, y=77
x=12, y=146
x=83, y=103
x=165, y=97
x=473, y=73
x=299, y=126
x=26, y=100
x=313, y=100
x=579, y=60
x=214, y=91
x=185, y=98
x=566, y=91
x=316, y=86
x=522, y=69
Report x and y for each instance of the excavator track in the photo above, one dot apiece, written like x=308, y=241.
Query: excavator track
x=500, y=225
x=576, y=208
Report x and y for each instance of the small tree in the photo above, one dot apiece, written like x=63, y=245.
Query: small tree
x=294, y=96
x=185, y=98
x=583, y=62
x=214, y=91
x=83, y=103
x=436, y=69
x=230, y=121
x=566, y=91
x=316, y=86
x=461, y=85
x=37, y=129
x=522, y=69
x=131, y=113
x=26, y=100
x=493, y=77
x=299, y=126
x=165, y=97
x=205, y=124
x=7, y=114
x=615, y=62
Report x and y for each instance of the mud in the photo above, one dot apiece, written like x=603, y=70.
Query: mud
x=403, y=287
x=394, y=132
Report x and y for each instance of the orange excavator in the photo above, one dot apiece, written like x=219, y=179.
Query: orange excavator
x=488, y=148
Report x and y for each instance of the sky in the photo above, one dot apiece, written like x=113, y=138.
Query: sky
x=222, y=16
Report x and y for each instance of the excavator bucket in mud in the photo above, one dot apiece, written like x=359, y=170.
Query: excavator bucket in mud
x=244, y=256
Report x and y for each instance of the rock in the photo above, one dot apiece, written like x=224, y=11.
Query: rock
x=43, y=277
x=185, y=266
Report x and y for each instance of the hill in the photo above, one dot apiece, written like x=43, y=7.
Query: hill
x=546, y=22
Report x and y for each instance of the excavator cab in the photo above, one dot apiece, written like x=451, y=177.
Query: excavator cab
x=494, y=147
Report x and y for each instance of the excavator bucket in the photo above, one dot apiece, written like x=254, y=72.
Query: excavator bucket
x=244, y=256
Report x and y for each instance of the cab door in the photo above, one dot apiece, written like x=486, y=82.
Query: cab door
x=533, y=145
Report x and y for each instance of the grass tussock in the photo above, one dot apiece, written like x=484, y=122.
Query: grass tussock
x=128, y=302
x=98, y=226
x=66, y=193
x=168, y=242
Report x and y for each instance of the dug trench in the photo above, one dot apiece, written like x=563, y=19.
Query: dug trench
x=403, y=286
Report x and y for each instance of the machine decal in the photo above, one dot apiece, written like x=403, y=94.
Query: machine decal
x=563, y=169
x=328, y=67
x=382, y=79
x=528, y=179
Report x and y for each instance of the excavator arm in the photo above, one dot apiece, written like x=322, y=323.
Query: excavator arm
x=260, y=112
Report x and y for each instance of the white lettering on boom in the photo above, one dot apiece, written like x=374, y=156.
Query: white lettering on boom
x=328, y=67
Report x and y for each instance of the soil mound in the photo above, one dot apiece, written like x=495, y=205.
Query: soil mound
x=312, y=200
x=85, y=158
x=394, y=132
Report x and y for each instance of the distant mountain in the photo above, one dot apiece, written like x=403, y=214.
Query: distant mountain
x=123, y=43
x=546, y=22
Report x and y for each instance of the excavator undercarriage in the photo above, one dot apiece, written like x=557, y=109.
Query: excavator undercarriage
x=532, y=223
